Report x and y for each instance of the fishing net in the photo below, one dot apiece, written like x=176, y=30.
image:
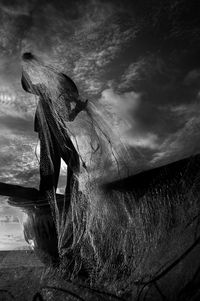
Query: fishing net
x=110, y=233
x=83, y=221
x=58, y=102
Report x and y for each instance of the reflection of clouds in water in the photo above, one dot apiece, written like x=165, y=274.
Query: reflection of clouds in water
x=9, y=219
x=11, y=237
x=6, y=209
x=11, y=227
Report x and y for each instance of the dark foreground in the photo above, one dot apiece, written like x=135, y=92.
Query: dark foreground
x=20, y=274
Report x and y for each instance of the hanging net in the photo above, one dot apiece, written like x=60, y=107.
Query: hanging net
x=58, y=103
x=111, y=233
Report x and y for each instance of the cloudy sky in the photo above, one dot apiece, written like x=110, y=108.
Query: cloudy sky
x=141, y=58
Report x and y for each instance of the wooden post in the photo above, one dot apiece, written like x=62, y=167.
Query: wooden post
x=24, y=196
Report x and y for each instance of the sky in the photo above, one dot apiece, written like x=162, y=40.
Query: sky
x=141, y=58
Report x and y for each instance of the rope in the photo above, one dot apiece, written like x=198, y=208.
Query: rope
x=38, y=297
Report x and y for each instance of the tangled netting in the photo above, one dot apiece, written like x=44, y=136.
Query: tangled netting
x=108, y=233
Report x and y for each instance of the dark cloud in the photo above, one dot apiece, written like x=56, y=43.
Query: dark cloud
x=138, y=59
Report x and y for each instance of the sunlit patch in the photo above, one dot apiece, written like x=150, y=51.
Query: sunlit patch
x=63, y=167
x=31, y=243
x=24, y=218
x=37, y=149
x=7, y=97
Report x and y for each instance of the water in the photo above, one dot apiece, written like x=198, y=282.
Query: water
x=11, y=227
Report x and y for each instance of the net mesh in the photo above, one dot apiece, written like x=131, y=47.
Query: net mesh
x=58, y=102
x=110, y=233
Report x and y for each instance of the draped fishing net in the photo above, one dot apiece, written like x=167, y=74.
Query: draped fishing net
x=58, y=102
x=108, y=234
x=83, y=228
